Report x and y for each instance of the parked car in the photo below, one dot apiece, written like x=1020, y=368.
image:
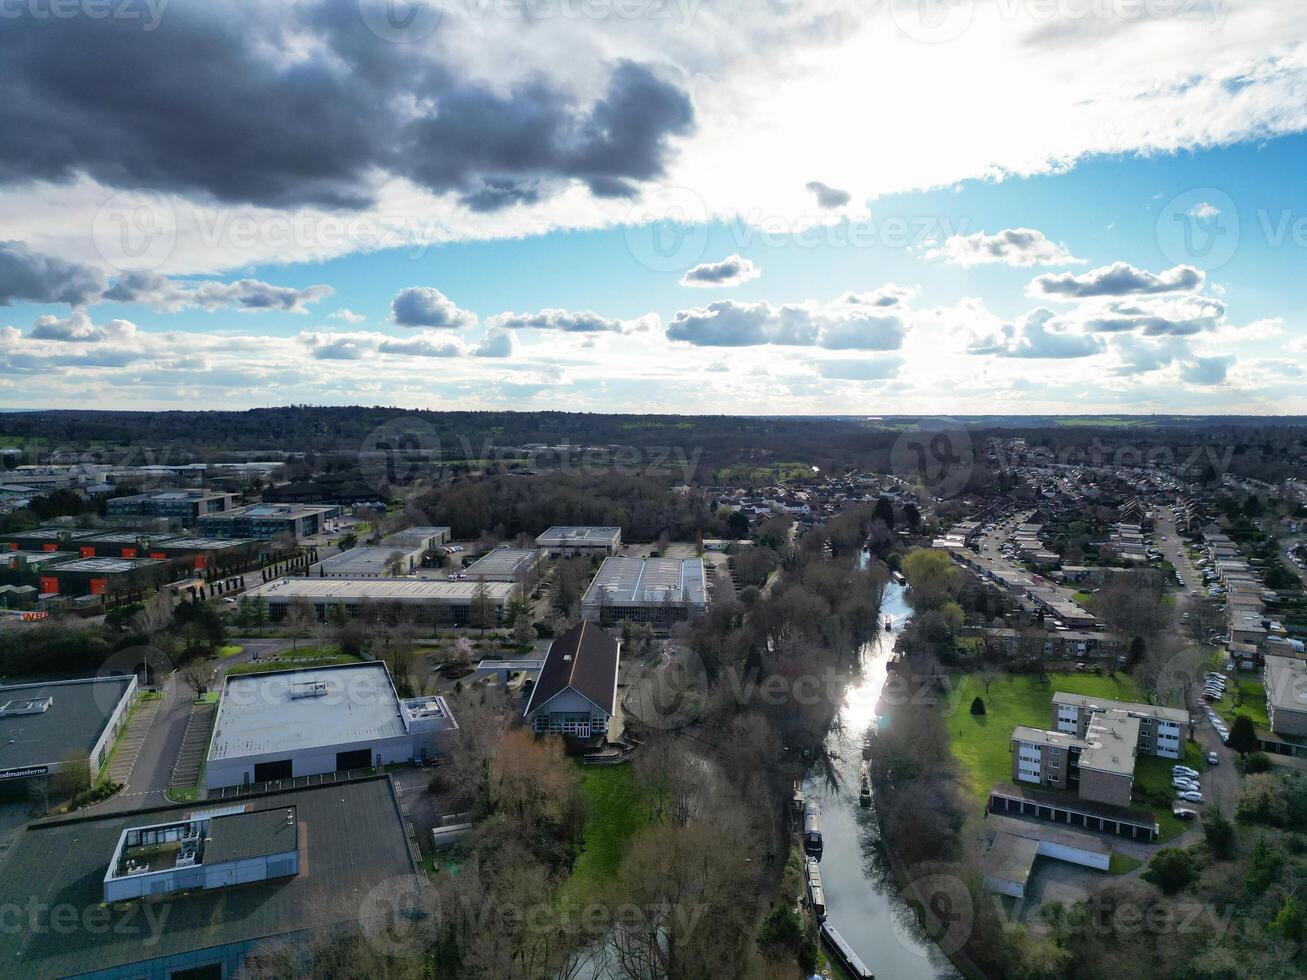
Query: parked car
x=1183, y=812
x=1185, y=771
x=1191, y=797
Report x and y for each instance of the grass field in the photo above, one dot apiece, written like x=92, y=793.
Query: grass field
x=229, y=650
x=982, y=743
x=1244, y=696
x=614, y=817
x=305, y=656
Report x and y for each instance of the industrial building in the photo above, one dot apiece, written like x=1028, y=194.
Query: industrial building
x=424, y=538
x=576, y=692
x=428, y=601
x=283, y=867
x=102, y=576
x=221, y=554
x=566, y=542
x=267, y=521
x=43, y=539
x=372, y=561
x=303, y=722
x=658, y=591
x=182, y=508
x=46, y=726
x=505, y=564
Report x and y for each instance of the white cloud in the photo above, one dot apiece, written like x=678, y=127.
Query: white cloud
x=1117, y=279
x=850, y=323
x=1037, y=334
x=348, y=315
x=426, y=306
x=1011, y=246
x=568, y=321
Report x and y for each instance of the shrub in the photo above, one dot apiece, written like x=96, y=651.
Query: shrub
x=977, y=706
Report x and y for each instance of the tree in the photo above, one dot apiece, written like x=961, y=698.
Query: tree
x=1171, y=869
x=932, y=577
x=1220, y=836
x=72, y=777
x=1243, y=736
x=524, y=632
x=977, y=706
x=299, y=620
x=481, y=612
x=198, y=674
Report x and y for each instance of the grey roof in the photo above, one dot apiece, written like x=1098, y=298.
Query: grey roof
x=353, y=841
x=286, y=711
x=236, y=836
x=648, y=581
x=504, y=563
x=1177, y=715
x=1043, y=736
x=106, y=566
x=1113, y=737
x=1286, y=683
x=578, y=535
x=366, y=560
x=380, y=590
x=77, y=715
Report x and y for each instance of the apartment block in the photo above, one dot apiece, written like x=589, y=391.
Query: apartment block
x=1159, y=729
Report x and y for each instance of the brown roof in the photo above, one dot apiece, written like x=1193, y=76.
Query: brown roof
x=584, y=659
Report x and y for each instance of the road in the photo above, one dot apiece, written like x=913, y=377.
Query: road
x=1168, y=541
x=991, y=546
x=148, y=782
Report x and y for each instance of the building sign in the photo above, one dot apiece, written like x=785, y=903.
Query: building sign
x=24, y=773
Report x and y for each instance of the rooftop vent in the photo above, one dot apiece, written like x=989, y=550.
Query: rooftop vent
x=308, y=689
x=25, y=706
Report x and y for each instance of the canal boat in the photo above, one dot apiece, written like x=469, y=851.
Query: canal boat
x=816, y=896
x=812, y=843
x=843, y=954
x=864, y=794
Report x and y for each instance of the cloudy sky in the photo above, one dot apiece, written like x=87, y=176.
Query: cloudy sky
x=741, y=206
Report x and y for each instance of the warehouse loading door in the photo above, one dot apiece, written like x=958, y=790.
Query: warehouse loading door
x=358, y=759
x=265, y=771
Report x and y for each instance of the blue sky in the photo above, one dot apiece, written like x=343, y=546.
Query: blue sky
x=1000, y=222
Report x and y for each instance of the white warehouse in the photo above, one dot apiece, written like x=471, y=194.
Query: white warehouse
x=303, y=722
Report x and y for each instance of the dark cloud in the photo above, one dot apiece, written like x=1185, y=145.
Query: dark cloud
x=1118, y=279
x=828, y=197
x=228, y=100
x=497, y=343
x=250, y=295
x=566, y=321
x=730, y=271
x=35, y=278
x=424, y=306
x=1190, y=316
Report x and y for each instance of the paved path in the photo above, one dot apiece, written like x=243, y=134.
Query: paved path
x=190, y=757
x=132, y=740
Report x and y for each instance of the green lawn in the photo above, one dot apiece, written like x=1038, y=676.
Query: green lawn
x=1119, y=863
x=306, y=656
x=982, y=743
x=1153, y=787
x=614, y=816
x=1244, y=695
x=229, y=650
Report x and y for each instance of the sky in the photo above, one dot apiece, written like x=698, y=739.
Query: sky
x=688, y=206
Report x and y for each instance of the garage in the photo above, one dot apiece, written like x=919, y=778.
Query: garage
x=266, y=771
x=357, y=759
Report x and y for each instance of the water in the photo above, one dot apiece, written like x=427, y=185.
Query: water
x=862, y=900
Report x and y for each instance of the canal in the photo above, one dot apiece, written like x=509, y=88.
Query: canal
x=862, y=899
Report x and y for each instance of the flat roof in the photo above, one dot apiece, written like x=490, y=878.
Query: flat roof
x=649, y=581
x=504, y=562
x=126, y=537
x=204, y=544
x=1157, y=711
x=353, y=842
x=380, y=590
x=413, y=534
x=286, y=711
x=258, y=833
x=578, y=535
x=73, y=721
x=368, y=559
x=1286, y=683
x=106, y=566
x=1010, y=858
x=1113, y=737
x=1043, y=736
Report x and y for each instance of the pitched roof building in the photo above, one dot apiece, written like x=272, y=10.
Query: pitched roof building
x=576, y=692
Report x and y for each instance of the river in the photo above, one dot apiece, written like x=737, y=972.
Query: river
x=862, y=899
